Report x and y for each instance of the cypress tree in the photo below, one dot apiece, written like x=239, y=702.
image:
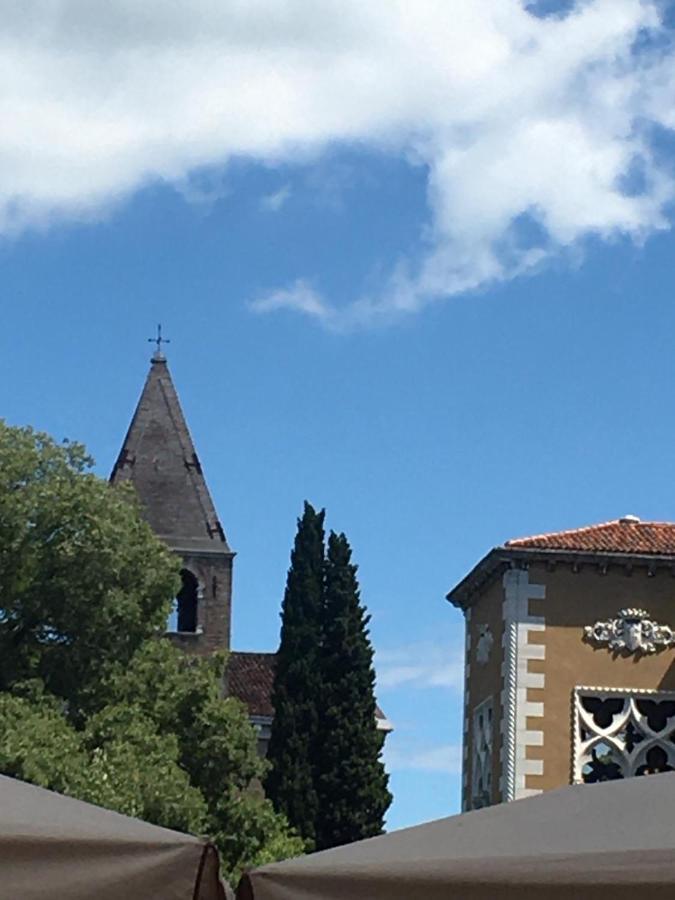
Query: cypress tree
x=290, y=782
x=350, y=779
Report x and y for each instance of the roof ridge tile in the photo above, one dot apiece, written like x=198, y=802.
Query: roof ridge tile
x=625, y=535
x=548, y=534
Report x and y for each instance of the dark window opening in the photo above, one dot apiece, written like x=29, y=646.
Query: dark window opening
x=186, y=602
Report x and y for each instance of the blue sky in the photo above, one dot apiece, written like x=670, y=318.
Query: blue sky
x=448, y=328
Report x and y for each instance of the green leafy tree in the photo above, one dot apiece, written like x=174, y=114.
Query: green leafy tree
x=182, y=696
x=39, y=745
x=83, y=580
x=92, y=703
x=297, y=688
x=134, y=770
x=351, y=782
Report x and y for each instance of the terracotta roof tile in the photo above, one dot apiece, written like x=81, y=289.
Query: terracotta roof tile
x=625, y=535
x=250, y=677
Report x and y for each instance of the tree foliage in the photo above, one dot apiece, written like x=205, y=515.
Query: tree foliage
x=134, y=770
x=92, y=702
x=351, y=781
x=83, y=579
x=291, y=782
x=326, y=775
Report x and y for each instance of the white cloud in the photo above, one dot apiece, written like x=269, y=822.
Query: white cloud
x=514, y=116
x=421, y=665
x=445, y=758
x=274, y=202
x=299, y=297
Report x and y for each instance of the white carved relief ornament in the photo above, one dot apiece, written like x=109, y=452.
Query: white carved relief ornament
x=631, y=630
x=484, y=644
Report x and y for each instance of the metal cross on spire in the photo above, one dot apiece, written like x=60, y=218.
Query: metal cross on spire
x=159, y=340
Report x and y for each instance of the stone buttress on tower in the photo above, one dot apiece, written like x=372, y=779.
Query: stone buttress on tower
x=158, y=457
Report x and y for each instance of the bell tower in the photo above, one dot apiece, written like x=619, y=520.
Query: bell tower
x=158, y=457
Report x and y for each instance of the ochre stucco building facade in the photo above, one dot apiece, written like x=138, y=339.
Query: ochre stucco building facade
x=570, y=660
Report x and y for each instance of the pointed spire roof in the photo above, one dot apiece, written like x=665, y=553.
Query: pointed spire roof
x=159, y=458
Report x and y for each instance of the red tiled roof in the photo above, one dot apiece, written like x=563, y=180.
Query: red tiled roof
x=626, y=535
x=250, y=677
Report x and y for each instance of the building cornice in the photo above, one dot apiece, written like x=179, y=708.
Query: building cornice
x=501, y=558
x=195, y=550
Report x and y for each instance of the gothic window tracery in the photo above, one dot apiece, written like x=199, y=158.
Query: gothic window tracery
x=621, y=733
x=481, y=764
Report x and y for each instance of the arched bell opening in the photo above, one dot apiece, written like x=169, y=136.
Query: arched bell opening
x=187, y=603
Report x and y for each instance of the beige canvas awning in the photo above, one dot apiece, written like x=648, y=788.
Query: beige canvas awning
x=55, y=848
x=587, y=842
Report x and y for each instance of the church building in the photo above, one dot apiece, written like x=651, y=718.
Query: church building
x=570, y=660
x=159, y=458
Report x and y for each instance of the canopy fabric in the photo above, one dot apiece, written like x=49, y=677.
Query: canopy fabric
x=55, y=847
x=596, y=841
